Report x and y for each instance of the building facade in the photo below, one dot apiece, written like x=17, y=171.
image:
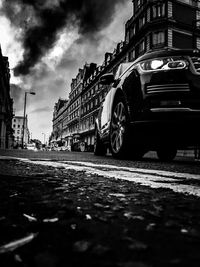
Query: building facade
x=158, y=24
x=60, y=115
x=155, y=24
x=17, y=126
x=6, y=105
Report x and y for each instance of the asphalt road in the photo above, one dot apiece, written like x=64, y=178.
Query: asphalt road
x=75, y=209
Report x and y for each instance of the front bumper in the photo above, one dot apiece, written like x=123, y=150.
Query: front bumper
x=178, y=126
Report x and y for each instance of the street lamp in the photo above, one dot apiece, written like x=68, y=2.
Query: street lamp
x=25, y=95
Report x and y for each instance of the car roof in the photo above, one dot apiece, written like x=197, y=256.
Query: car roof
x=168, y=52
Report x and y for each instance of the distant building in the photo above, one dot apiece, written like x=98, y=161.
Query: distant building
x=76, y=105
x=59, y=116
x=155, y=24
x=17, y=125
x=6, y=105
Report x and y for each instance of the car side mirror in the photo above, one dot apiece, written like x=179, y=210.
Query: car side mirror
x=106, y=79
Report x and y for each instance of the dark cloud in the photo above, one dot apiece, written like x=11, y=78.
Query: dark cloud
x=68, y=62
x=42, y=20
x=17, y=94
x=42, y=73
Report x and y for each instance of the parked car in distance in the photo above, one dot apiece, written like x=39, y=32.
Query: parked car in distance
x=153, y=104
x=31, y=146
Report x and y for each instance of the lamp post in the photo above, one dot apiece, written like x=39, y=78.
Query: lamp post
x=25, y=96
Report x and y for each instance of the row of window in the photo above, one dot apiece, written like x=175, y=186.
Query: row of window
x=18, y=132
x=91, y=92
x=87, y=108
x=154, y=12
x=74, y=93
x=85, y=124
x=77, y=80
x=74, y=115
x=17, y=126
x=74, y=105
x=88, y=123
x=191, y=2
x=154, y=39
x=73, y=129
x=138, y=3
x=17, y=120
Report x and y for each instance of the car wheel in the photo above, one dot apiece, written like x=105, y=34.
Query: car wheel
x=119, y=130
x=166, y=153
x=99, y=147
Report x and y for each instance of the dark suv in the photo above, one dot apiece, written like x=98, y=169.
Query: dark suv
x=153, y=104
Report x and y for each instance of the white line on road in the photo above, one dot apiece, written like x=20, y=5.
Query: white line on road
x=178, y=182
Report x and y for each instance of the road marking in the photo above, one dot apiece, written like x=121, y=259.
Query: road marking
x=186, y=183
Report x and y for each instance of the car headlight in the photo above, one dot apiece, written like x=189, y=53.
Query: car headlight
x=159, y=64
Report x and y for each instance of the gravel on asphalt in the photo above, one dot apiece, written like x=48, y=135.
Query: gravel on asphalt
x=53, y=217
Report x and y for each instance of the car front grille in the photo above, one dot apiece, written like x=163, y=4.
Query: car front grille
x=167, y=88
x=196, y=63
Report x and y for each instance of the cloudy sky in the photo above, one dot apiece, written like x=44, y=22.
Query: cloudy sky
x=47, y=41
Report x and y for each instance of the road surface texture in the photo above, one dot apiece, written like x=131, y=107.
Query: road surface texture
x=75, y=209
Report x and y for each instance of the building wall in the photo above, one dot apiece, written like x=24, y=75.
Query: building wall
x=17, y=125
x=60, y=116
x=6, y=105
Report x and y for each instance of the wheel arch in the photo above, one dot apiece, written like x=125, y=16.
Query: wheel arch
x=104, y=117
x=119, y=93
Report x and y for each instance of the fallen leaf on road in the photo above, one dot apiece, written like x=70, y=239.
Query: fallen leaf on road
x=130, y=215
x=117, y=195
x=88, y=217
x=52, y=220
x=73, y=226
x=30, y=218
x=98, y=205
x=17, y=258
x=184, y=231
x=17, y=243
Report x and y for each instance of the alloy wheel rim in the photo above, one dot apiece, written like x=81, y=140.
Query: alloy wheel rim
x=118, y=127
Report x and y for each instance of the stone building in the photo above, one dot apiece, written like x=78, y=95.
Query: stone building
x=17, y=125
x=166, y=23
x=60, y=115
x=6, y=105
x=73, y=124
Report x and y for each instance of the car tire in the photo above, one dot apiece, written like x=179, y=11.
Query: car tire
x=99, y=147
x=166, y=153
x=119, y=130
